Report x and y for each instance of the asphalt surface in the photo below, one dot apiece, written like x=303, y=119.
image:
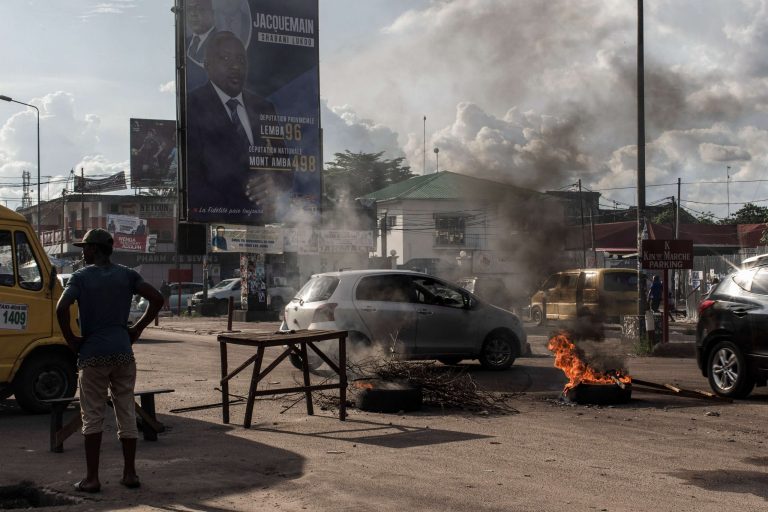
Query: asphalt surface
x=657, y=452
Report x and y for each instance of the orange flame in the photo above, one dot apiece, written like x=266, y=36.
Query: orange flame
x=567, y=358
x=363, y=384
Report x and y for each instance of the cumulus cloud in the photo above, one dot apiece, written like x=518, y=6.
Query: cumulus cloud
x=168, y=87
x=344, y=130
x=717, y=153
x=65, y=135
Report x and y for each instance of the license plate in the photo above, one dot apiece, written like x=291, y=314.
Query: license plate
x=14, y=316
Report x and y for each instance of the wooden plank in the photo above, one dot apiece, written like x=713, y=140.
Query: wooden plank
x=67, y=430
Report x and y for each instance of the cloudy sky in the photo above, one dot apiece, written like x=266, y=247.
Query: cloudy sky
x=537, y=93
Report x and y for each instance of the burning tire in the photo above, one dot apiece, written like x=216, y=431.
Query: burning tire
x=390, y=399
x=499, y=351
x=728, y=372
x=599, y=394
x=537, y=315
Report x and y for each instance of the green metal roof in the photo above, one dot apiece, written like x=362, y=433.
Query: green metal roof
x=447, y=185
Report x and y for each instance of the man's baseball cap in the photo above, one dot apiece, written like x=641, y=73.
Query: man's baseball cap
x=96, y=236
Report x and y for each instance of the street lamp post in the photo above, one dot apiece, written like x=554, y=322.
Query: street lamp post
x=37, y=110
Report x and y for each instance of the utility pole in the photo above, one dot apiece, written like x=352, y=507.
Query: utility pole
x=640, y=160
x=728, y=188
x=583, y=243
x=383, y=227
x=424, y=164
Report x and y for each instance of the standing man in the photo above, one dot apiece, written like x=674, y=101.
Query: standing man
x=103, y=292
x=165, y=291
x=231, y=140
x=654, y=294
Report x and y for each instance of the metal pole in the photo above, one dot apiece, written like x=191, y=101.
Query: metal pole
x=424, y=164
x=583, y=243
x=640, y=159
x=37, y=110
x=728, y=188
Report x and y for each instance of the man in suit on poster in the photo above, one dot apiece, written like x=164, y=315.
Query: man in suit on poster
x=200, y=25
x=223, y=121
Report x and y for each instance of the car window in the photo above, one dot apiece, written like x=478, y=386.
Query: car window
x=754, y=280
x=29, y=275
x=318, y=288
x=590, y=280
x=620, y=281
x=431, y=291
x=6, y=259
x=550, y=283
x=569, y=280
x=387, y=288
x=467, y=284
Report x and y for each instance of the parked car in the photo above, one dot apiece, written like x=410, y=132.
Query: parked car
x=220, y=294
x=187, y=291
x=732, y=333
x=413, y=315
x=608, y=292
x=64, y=279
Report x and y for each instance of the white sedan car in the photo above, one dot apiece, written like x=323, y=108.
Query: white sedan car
x=410, y=314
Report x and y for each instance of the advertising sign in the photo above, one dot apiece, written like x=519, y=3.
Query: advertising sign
x=345, y=241
x=129, y=233
x=252, y=114
x=246, y=239
x=667, y=254
x=89, y=185
x=154, y=162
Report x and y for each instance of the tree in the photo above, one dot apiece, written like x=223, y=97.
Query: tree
x=706, y=218
x=748, y=214
x=352, y=175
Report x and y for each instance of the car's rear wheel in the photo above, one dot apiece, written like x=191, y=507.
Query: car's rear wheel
x=499, y=351
x=728, y=372
x=537, y=315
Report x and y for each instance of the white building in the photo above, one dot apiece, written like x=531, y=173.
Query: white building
x=437, y=222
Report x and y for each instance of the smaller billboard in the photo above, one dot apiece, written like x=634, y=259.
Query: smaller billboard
x=92, y=185
x=153, y=153
x=129, y=233
x=246, y=239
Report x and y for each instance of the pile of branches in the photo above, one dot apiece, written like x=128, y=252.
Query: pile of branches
x=442, y=386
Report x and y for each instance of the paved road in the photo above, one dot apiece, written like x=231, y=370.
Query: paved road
x=655, y=453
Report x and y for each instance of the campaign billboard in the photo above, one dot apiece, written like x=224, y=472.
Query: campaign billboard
x=154, y=162
x=129, y=233
x=252, y=110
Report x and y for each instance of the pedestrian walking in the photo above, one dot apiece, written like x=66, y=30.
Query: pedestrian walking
x=654, y=294
x=165, y=291
x=103, y=292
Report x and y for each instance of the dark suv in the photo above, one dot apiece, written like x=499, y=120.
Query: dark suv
x=732, y=333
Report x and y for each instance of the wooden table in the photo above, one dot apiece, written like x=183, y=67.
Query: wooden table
x=296, y=342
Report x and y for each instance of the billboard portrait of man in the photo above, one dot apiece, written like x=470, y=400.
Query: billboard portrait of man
x=252, y=127
x=226, y=125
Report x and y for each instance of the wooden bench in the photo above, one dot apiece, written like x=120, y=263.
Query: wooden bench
x=146, y=418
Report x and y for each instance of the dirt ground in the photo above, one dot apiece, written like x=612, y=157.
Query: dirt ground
x=655, y=453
